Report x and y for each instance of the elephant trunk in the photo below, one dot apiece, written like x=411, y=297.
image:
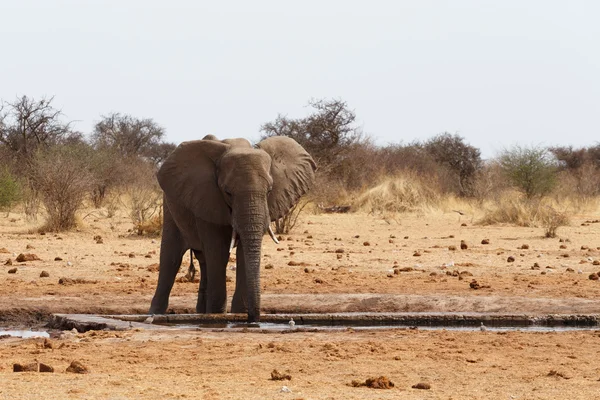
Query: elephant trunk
x=250, y=223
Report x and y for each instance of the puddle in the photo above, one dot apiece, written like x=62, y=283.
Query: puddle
x=312, y=327
x=25, y=334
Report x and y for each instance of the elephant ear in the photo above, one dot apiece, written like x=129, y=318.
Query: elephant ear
x=292, y=170
x=188, y=178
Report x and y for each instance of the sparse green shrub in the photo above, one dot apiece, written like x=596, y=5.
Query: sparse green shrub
x=10, y=191
x=530, y=169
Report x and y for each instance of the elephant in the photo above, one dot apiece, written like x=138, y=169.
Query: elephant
x=216, y=192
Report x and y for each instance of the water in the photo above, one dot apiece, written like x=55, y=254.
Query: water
x=25, y=334
x=284, y=327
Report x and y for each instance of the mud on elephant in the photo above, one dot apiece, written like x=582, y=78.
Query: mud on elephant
x=220, y=192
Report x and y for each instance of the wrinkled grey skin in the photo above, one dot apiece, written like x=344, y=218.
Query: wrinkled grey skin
x=212, y=187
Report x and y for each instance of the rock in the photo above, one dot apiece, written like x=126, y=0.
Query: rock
x=98, y=239
x=535, y=266
x=4, y=250
x=463, y=224
x=131, y=255
x=452, y=248
x=57, y=259
x=340, y=251
x=382, y=382
x=70, y=281
x=422, y=385
x=475, y=285
x=32, y=367
x=416, y=254
x=570, y=270
x=524, y=247
x=366, y=244
x=596, y=262
x=463, y=245
x=27, y=257
x=297, y=264
x=153, y=267
x=12, y=271
x=29, y=246
x=485, y=241
x=269, y=266
x=46, y=368
x=44, y=274
x=285, y=389
x=77, y=368
x=510, y=259
x=562, y=246
x=48, y=344
x=8, y=262
x=593, y=277
x=276, y=376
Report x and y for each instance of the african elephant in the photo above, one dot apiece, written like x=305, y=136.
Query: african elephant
x=216, y=192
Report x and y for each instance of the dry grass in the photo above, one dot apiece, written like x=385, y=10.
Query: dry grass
x=150, y=227
x=402, y=193
x=516, y=210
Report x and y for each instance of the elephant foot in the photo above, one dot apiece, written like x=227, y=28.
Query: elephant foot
x=158, y=307
x=201, y=304
x=238, y=305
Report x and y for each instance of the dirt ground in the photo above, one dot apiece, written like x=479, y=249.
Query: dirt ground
x=353, y=262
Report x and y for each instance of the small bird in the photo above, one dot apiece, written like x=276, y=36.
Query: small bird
x=291, y=323
x=149, y=320
x=482, y=328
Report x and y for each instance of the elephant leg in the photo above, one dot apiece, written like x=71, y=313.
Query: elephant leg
x=172, y=249
x=239, y=303
x=216, y=254
x=201, y=304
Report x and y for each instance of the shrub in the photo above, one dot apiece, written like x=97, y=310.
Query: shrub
x=462, y=159
x=287, y=223
x=142, y=194
x=551, y=220
x=10, y=191
x=530, y=169
x=61, y=177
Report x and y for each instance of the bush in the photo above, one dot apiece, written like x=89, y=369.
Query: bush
x=10, y=191
x=142, y=195
x=530, y=169
x=61, y=176
x=462, y=159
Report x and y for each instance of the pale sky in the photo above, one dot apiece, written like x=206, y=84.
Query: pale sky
x=496, y=72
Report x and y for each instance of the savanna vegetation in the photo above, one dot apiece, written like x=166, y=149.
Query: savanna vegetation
x=48, y=169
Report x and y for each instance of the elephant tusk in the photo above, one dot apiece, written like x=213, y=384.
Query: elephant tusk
x=272, y=235
x=233, y=241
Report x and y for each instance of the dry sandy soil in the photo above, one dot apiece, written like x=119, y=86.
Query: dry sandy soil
x=330, y=263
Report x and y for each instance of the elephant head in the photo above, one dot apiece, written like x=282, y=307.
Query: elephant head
x=233, y=183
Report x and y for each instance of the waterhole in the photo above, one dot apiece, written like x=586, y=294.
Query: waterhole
x=335, y=322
